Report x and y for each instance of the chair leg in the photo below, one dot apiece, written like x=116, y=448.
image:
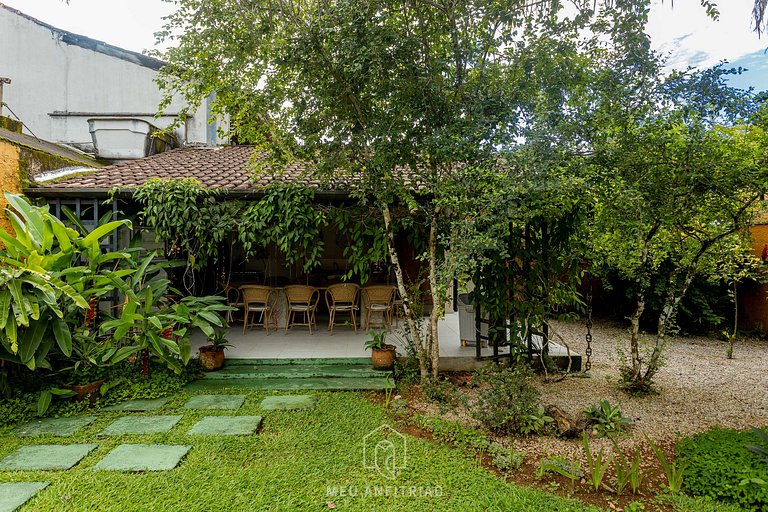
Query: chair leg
x=288, y=320
x=330, y=320
x=352, y=315
x=245, y=319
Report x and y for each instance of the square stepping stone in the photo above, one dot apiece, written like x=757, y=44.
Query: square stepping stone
x=143, y=457
x=140, y=425
x=215, y=402
x=139, y=405
x=54, y=426
x=15, y=494
x=45, y=457
x=227, y=425
x=288, y=402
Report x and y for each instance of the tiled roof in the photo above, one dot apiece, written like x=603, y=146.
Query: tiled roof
x=224, y=167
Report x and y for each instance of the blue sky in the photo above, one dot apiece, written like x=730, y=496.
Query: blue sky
x=682, y=32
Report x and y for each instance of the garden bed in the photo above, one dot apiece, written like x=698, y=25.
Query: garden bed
x=698, y=389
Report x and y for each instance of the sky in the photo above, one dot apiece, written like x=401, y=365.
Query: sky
x=680, y=29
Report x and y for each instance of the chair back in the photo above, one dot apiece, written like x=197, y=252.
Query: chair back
x=342, y=293
x=256, y=294
x=300, y=294
x=379, y=294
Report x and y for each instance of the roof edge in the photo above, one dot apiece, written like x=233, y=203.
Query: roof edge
x=127, y=193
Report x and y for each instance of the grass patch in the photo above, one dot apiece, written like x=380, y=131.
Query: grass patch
x=297, y=461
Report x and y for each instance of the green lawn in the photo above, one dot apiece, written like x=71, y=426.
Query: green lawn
x=296, y=462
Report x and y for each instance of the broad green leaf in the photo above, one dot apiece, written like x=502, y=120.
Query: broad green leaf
x=30, y=340
x=63, y=336
x=97, y=234
x=20, y=311
x=32, y=216
x=11, y=335
x=5, y=306
x=43, y=402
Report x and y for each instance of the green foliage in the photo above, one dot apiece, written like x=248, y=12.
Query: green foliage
x=151, y=320
x=440, y=391
x=561, y=466
x=674, y=470
x=535, y=423
x=760, y=450
x=362, y=234
x=286, y=217
x=194, y=221
x=606, y=418
x=189, y=219
x=503, y=458
x=685, y=503
x=378, y=339
x=508, y=400
x=124, y=381
x=628, y=472
x=453, y=432
x=597, y=465
x=719, y=466
x=44, y=287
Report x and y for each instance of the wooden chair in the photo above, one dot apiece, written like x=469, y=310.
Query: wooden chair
x=379, y=299
x=301, y=299
x=342, y=298
x=257, y=299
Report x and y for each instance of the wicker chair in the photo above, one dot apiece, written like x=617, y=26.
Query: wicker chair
x=234, y=299
x=301, y=299
x=257, y=299
x=379, y=299
x=342, y=298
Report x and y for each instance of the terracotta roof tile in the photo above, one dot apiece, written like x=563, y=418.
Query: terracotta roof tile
x=224, y=167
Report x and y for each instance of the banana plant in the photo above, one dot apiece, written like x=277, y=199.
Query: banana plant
x=150, y=319
x=40, y=279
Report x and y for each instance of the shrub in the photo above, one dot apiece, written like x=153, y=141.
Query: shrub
x=503, y=458
x=719, y=466
x=440, y=391
x=606, y=418
x=509, y=401
x=462, y=437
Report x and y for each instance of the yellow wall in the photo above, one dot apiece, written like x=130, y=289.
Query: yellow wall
x=753, y=297
x=9, y=176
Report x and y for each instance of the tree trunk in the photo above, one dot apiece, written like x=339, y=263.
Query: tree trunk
x=408, y=312
x=437, y=297
x=634, y=341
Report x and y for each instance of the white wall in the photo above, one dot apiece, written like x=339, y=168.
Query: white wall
x=50, y=76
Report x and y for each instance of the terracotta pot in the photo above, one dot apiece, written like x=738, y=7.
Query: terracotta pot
x=383, y=358
x=90, y=391
x=211, y=357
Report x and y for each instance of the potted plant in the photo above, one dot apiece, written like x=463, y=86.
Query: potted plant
x=212, y=356
x=382, y=354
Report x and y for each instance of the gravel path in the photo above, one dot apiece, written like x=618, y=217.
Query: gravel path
x=698, y=388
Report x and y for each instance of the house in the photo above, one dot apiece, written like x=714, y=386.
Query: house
x=74, y=90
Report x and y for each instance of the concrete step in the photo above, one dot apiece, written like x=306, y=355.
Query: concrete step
x=294, y=371
x=298, y=361
x=285, y=384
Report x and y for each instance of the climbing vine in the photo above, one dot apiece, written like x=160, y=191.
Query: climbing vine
x=194, y=221
x=286, y=217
